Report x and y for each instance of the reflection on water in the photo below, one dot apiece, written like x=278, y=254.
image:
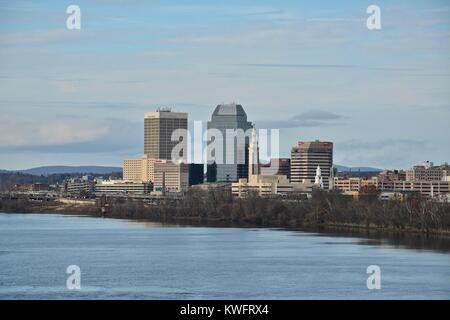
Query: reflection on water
x=122, y=259
x=413, y=240
x=416, y=241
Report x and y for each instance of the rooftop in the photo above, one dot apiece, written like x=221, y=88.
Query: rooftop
x=230, y=109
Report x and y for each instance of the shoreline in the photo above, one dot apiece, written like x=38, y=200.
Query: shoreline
x=90, y=210
x=410, y=240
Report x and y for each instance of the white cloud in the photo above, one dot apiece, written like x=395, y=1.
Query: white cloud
x=16, y=131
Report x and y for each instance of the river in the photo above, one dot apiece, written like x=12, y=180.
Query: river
x=121, y=259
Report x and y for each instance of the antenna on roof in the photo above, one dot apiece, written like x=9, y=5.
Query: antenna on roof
x=164, y=109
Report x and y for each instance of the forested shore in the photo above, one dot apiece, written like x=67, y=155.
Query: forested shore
x=218, y=207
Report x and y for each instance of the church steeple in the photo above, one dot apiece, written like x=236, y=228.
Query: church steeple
x=318, y=180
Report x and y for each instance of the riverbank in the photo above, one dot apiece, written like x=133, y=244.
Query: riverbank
x=247, y=213
x=86, y=208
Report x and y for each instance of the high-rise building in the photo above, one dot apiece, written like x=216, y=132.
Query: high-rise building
x=158, y=129
x=307, y=156
x=229, y=117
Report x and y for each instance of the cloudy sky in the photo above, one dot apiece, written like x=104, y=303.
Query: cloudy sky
x=310, y=68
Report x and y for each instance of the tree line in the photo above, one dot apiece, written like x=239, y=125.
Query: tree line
x=219, y=207
x=323, y=209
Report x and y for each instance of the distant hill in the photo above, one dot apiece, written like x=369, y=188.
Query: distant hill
x=356, y=169
x=46, y=170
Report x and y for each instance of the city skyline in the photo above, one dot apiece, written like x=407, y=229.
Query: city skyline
x=313, y=71
x=204, y=146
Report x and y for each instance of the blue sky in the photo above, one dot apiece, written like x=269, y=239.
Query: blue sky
x=311, y=68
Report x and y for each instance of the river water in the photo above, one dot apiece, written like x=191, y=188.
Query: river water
x=121, y=259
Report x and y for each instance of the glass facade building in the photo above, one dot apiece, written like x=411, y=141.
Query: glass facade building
x=232, y=163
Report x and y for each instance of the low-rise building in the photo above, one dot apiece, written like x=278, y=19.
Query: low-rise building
x=352, y=186
x=79, y=187
x=209, y=186
x=277, y=166
x=394, y=195
x=392, y=175
x=170, y=177
x=426, y=188
x=39, y=187
x=122, y=187
x=269, y=185
x=427, y=172
x=165, y=175
x=139, y=170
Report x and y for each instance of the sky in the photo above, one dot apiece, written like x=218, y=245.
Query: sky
x=311, y=68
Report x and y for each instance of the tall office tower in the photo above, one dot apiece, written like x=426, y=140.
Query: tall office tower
x=229, y=116
x=307, y=156
x=158, y=129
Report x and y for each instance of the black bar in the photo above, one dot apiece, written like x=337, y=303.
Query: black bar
x=228, y=309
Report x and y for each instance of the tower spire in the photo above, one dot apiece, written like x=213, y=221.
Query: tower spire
x=253, y=155
x=318, y=179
